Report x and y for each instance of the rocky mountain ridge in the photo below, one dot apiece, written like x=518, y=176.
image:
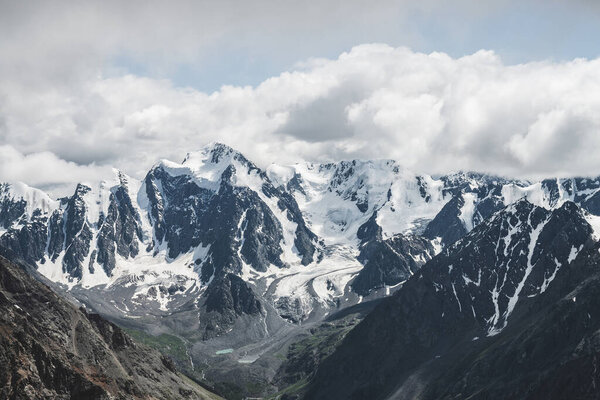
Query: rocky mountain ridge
x=298, y=240
x=49, y=349
x=464, y=326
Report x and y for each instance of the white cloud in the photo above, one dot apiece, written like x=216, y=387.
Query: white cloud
x=46, y=171
x=432, y=112
x=63, y=41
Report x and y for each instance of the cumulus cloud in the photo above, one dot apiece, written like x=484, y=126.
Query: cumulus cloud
x=46, y=171
x=431, y=112
x=73, y=105
x=63, y=42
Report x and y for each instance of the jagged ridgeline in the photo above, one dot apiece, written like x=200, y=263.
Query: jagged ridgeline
x=224, y=242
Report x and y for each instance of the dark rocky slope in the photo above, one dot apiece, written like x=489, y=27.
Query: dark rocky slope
x=51, y=350
x=388, y=261
x=391, y=261
x=447, y=224
x=508, y=312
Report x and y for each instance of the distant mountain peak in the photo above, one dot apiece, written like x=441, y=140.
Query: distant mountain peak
x=214, y=153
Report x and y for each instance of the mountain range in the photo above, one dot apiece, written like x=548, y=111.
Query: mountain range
x=239, y=262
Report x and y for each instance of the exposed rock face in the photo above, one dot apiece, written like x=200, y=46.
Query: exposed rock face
x=453, y=317
x=582, y=191
x=66, y=234
x=176, y=207
x=77, y=233
x=226, y=299
x=233, y=220
x=447, y=225
x=368, y=232
x=56, y=233
x=119, y=230
x=11, y=209
x=388, y=261
x=392, y=261
x=28, y=242
x=49, y=349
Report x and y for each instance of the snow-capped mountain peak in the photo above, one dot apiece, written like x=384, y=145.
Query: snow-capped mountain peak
x=32, y=199
x=305, y=237
x=214, y=153
x=214, y=163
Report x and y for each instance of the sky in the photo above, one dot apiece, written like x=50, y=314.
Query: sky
x=505, y=87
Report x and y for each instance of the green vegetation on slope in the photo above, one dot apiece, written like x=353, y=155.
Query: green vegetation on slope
x=169, y=345
x=304, y=356
x=175, y=348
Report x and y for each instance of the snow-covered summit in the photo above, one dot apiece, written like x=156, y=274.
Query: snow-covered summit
x=339, y=197
x=208, y=166
x=34, y=199
x=214, y=153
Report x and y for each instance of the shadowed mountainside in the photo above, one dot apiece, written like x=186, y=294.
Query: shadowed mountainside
x=49, y=349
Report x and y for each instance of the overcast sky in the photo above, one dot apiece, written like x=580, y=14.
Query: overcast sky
x=508, y=87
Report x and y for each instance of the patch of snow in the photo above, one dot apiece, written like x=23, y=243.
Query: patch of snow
x=467, y=210
x=512, y=301
x=548, y=280
x=437, y=246
x=280, y=175
x=594, y=222
x=534, y=193
x=573, y=253
x=456, y=296
x=470, y=281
